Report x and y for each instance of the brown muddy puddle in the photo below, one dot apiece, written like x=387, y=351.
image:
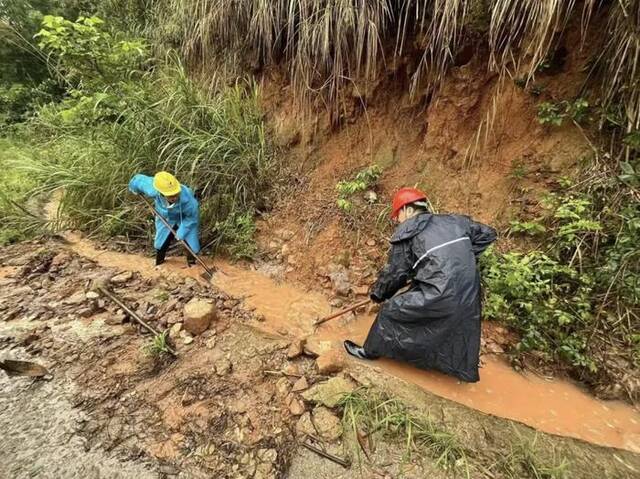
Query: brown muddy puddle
x=552, y=406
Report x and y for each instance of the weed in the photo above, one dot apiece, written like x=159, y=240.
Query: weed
x=363, y=180
x=518, y=170
x=524, y=460
x=375, y=413
x=158, y=345
x=235, y=235
x=531, y=228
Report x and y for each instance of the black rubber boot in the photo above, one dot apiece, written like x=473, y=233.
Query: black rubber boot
x=356, y=351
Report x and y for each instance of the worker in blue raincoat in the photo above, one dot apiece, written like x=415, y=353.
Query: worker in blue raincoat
x=178, y=205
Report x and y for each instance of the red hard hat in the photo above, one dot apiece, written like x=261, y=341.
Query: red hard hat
x=404, y=197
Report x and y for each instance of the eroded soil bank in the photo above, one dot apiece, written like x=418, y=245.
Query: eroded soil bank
x=235, y=403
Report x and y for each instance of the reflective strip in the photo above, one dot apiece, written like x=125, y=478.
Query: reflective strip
x=438, y=247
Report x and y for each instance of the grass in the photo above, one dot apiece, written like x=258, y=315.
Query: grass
x=19, y=221
x=158, y=345
x=371, y=416
x=333, y=47
x=215, y=144
x=371, y=413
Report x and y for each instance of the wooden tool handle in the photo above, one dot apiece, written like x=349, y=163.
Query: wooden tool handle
x=342, y=311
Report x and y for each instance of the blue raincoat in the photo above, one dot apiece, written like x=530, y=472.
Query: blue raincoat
x=185, y=213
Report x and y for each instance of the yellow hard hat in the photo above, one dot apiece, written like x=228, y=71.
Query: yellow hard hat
x=166, y=183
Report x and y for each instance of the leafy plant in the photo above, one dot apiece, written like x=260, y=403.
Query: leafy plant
x=554, y=113
x=531, y=228
x=158, y=345
x=363, y=180
x=550, y=114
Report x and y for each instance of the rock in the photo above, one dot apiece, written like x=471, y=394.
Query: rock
x=187, y=339
x=122, y=277
x=336, y=303
x=296, y=348
x=330, y=363
x=223, y=366
x=76, y=298
x=304, y=426
x=326, y=423
x=315, y=347
x=282, y=387
x=291, y=261
x=339, y=276
x=370, y=196
x=260, y=318
x=60, y=260
x=296, y=406
x=285, y=250
x=115, y=319
x=211, y=342
x=86, y=311
x=328, y=393
x=270, y=456
x=362, y=290
x=198, y=315
x=300, y=385
x=174, y=331
x=292, y=370
x=371, y=242
x=285, y=235
x=92, y=295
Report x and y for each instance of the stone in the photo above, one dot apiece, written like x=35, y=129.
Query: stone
x=336, y=303
x=371, y=242
x=223, y=366
x=315, y=347
x=285, y=250
x=296, y=407
x=328, y=393
x=198, y=315
x=326, y=423
x=122, y=277
x=76, y=298
x=282, y=387
x=300, y=385
x=211, y=342
x=292, y=370
x=296, y=348
x=362, y=290
x=92, y=295
x=330, y=363
x=339, y=276
x=60, y=260
x=174, y=331
x=304, y=426
x=115, y=319
x=285, y=235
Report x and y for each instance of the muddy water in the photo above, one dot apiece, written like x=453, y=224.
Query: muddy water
x=553, y=406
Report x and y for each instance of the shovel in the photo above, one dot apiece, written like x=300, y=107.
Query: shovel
x=208, y=272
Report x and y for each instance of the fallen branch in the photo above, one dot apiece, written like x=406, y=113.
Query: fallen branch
x=341, y=312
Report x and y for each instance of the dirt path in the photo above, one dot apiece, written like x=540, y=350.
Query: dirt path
x=552, y=406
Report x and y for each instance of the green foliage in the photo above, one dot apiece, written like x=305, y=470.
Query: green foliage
x=158, y=345
x=550, y=113
x=372, y=411
x=531, y=228
x=86, y=52
x=524, y=460
x=583, y=281
x=236, y=233
x=19, y=222
x=545, y=300
x=364, y=179
x=117, y=120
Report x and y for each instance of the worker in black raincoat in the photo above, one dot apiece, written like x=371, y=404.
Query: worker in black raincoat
x=435, y=324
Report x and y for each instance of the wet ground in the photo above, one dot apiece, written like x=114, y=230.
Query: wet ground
x=233, y=404
x=549, y=405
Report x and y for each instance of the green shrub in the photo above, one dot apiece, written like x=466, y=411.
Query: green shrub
x=123, y=120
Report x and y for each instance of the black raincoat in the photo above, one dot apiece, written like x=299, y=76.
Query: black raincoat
x=435, y=324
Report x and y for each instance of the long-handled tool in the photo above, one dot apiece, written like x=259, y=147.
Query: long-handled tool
x=103, y=289
x=208, y=274
x=337, y=314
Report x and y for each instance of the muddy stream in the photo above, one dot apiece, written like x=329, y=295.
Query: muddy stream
x=552, y=406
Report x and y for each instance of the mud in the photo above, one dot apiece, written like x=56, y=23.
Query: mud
x=553, y=406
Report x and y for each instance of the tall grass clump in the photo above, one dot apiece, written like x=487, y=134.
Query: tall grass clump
x=333, y=47
x=142, y=120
